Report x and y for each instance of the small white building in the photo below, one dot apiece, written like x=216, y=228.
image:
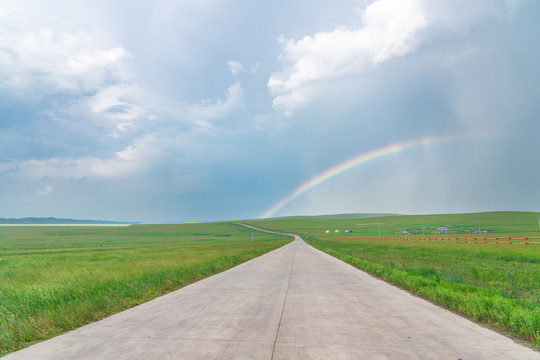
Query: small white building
x=336, y=231
x=327, y=231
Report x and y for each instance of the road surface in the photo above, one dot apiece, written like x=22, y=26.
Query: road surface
x=292, y=303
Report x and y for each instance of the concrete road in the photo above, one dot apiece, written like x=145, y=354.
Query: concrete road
x=292, y=303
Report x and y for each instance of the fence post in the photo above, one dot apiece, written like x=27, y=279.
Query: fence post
x=509, y=240
x=496, y=240
x=525, y=240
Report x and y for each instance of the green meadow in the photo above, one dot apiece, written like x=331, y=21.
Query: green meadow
x=57, y=278
x=497, y=285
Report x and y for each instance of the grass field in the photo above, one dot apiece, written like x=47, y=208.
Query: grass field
x=54, y=278
x=497, y=285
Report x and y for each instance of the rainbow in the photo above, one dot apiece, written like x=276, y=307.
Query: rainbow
x=349, y=164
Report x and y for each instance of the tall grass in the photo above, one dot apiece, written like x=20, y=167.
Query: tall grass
x=54, y=280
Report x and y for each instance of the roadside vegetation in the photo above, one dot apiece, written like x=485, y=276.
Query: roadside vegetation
x=54, y=279
x=493, y=284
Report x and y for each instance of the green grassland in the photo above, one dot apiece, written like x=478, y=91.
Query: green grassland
x=496, y=285
x=53, y=279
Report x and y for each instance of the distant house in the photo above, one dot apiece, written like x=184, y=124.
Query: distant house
x=446, y=230
x=336, y=231
x=442, y=230
x=405, y=232
x=327, y=231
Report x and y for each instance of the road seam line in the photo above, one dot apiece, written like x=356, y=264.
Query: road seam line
x=284, y=303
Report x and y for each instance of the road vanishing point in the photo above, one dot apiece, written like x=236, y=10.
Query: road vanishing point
x=292, y=303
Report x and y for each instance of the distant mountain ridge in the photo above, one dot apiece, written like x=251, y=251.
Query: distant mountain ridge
x=53, y=220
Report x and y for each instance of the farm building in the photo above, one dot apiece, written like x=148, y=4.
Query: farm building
x=445, y=230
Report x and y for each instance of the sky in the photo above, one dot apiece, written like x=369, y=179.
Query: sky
x=214, y=110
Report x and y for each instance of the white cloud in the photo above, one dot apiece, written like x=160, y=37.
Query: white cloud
x=389, y=29
x=133, y=159
x=122, y=103
x=42, y=60
x=46, y=190
x=130, y=106
x=172, y=133
x=235, y=67
x=204, y=111
x=255, y=68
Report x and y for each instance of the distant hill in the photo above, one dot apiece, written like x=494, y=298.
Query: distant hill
x=503, y=222
x=53, y=220
x=353, y=216
x=336, y=216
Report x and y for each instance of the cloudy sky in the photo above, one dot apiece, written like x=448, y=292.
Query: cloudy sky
x=214, y=110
